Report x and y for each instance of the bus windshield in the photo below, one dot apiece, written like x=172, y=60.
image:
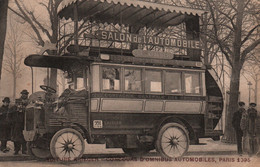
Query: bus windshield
x=75, y=79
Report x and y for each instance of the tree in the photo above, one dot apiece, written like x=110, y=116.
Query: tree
x=41, y=28
x=13, y=55
x=3, y=24
x=252, y=69
x=235, y=32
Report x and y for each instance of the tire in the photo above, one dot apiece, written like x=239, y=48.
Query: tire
x=39, y=152
x=67, y=145
x=216, y=138
x=172, y=140
x=135, y=152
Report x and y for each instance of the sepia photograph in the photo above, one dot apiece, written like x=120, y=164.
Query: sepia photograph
x=130, y=83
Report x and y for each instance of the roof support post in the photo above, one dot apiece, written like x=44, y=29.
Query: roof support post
x=193, y=33
x=76, y=28
x=134, y=30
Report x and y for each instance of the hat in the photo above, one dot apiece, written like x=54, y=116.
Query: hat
x=252, y=104
x=6, y=99
x=241, y=103
x=25, y=92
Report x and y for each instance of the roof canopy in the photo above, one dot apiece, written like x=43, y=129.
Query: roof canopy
x=59, y=62
x=128, y=12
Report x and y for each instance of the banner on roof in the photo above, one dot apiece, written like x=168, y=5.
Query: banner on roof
x=148, y=40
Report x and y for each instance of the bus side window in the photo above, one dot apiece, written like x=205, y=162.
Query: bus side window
x=111, y=78
x=132, y=80
x=192, y=83
x=153, y=81
x=173, y=82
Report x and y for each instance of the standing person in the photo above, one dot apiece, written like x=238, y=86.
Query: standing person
x=252, y=115
x=18, y=119
x=236, y=125
x=5, y=124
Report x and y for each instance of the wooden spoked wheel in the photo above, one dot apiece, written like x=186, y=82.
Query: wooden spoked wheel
x=172, y=140
x=67, y=144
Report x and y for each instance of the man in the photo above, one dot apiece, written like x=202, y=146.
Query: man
x=236, y=125
x=252, y=115
x=17, y=132
x=5, y=124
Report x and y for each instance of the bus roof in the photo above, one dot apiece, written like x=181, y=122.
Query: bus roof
x=67, y=61
x=128, y=12
x=54, y=61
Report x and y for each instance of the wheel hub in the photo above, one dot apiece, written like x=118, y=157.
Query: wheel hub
x=68, y=146
x=174, y=141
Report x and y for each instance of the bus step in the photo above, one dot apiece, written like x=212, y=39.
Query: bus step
x=211, y=133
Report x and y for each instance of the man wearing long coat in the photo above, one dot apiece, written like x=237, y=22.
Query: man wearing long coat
x=5, y=124
x=252, y=115
x=236, y=125
x=18, y=123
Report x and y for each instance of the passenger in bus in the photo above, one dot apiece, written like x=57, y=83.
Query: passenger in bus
x=18, y=123
x=110, y=78
x=236, y=125
x=5, y=124
x=132, y=80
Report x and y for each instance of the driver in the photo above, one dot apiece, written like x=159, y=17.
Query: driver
x=49, y=93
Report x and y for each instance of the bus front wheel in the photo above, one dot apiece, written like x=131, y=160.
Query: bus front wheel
x=67, y=145
x=172, y=140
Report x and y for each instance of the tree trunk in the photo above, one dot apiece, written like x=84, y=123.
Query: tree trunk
x=14, y=85
x=229, y=134
x=256, y=83
x=3, y=24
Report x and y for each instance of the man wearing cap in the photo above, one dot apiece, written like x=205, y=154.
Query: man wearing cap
x=17, y=132
x=236, y=125
x=5, y=124
x=252, y=115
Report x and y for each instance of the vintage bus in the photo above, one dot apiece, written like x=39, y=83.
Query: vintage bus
x=126, y=88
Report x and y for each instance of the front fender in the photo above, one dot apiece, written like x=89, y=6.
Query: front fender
x=29, y=135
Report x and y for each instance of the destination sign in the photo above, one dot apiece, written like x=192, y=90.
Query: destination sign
x=149, y=40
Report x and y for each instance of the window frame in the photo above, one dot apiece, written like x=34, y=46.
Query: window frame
x=101, y=78
x=181, y=79
x=162, y=81
x=144, y=90
x=184, y=83
x=142, y=80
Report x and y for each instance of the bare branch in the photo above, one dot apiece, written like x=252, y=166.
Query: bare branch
x=18, y=14
x=249, y=34
x=30, y=22
x=221, y=46
x=44, y=30
x=248, y=49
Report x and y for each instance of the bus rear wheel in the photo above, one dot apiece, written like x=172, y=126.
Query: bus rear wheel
x=67, y=144
x=172, y=140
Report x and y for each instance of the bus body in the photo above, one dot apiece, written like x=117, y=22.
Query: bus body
x=134, y=99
